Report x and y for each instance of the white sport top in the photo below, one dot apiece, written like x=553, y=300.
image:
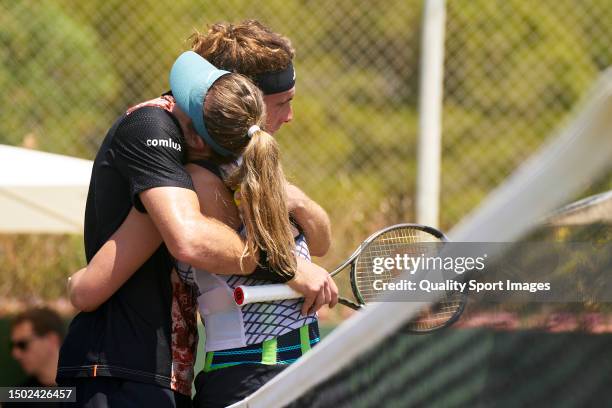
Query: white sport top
x=229, y=326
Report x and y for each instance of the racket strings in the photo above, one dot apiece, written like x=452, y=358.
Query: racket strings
x=401, y=241
x=412, y=243
x=438, y=314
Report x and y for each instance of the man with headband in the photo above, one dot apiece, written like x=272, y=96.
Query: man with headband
x=252, y=49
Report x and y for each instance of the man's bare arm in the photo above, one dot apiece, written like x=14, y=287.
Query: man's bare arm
x=133, y=243
x=192, y=238
x=128, y=249
x=312, y=218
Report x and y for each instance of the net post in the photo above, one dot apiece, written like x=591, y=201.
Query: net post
x=430, y=113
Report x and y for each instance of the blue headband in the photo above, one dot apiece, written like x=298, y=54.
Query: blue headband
x=191, y=77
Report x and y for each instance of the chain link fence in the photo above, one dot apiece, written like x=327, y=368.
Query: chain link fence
x=513, y=70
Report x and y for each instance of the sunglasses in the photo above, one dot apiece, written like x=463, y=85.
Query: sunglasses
x=21, y=345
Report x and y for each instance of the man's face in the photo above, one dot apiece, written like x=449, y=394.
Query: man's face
x=279, y=109
x=30, y=351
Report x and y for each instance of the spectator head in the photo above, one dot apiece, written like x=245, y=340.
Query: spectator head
x=36, y=336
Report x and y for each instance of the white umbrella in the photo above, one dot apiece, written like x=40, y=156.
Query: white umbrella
x=42, y=192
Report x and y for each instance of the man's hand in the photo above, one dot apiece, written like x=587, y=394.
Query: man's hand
x=311, y=218
x=315, y=284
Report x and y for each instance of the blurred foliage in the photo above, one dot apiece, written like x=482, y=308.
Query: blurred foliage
x=513, y=70
x=35, y=267
x=55, y=76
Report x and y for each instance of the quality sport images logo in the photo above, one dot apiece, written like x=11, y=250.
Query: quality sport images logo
x=164, y=143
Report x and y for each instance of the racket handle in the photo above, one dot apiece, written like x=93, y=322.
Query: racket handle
x=244, y=295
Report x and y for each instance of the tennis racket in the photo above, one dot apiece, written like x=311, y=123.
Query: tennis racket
x=401, y=239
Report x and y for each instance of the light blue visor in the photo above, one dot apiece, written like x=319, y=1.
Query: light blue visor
x=191, y=77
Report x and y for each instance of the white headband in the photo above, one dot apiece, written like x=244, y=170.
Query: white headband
x=252, y=130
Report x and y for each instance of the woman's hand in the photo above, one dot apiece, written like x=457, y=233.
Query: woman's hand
x=315, y=284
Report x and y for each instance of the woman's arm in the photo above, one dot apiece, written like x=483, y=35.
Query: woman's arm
x=118, y=259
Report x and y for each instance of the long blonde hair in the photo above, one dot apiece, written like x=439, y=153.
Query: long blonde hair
x=234, y=104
